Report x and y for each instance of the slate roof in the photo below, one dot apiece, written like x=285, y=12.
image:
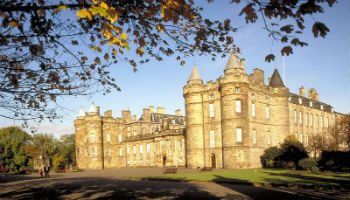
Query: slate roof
x=276, y=80
x=294, y=98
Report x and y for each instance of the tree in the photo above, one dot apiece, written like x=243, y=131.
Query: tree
x=315, y=144
x=42, y=148
x=292, y=151
x=46, y=52
x=13, y=141
x=343, y=131
x=67, y=149
x=270, y=157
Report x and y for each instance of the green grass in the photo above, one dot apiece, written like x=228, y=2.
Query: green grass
x=262, y=176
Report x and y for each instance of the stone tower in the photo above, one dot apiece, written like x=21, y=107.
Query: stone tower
x=234, y=87
x=91, y=138
x=194, y=120
x=280, y=107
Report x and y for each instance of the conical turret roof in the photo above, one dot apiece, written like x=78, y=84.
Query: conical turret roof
x=81, y=113
x=93, y=108
x=234, y=62
x=194, y=74
x=276, y=80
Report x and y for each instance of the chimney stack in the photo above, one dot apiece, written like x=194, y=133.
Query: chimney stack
x=146, y=114
x=160, y=110
x=178, y=112
x=302, y=91
x=126, y=114
x=108, y=113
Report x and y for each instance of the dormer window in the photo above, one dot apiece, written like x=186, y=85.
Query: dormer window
x=311, y=104
x=289, y=99
x=173, y=121
x=237, y=89
x=300, y=101
x=321, y=107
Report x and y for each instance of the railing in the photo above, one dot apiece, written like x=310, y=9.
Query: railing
x=155, y=135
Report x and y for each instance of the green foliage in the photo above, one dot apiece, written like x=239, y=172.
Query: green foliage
x=20, y=152
x=13, y=141
x=287, y=156
x=337, y=161
x=270, y=157
x=309, y=164
x=292, y=151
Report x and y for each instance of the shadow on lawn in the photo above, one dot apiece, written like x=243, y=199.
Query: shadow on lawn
x=262, y=193
x=340, y=181
x=104, y=188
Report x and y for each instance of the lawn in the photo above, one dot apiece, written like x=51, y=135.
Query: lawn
x=262, y=176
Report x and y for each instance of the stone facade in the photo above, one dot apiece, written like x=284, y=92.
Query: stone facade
x=232, y=120
x=228, y=124
x=154, y=140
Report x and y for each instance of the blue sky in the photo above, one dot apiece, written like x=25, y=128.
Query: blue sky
x=324, y=65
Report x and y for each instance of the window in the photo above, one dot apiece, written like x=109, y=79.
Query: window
x=327, y=122
x=237, y=89
x=93, y=151
x=300, y=137
x=300, y=117
x=211, y=96
x=120, y=151
x=295, y=117
x=179, y=145
x=92, y=137
x=211, y=110
x=311, y=119
x=253, y=97
x=316, y=122
x=212, y=139
x=134, y=149
x=321, y=121
x=306, y=139
x=269, y=138
x=311, y=104
x=306, y=119
x=108, y=137
x=148, y=148
x=300, y=101
x=238, y=106
x=239, y=138
x=173, y=121
x=128, y=149
x=253, y=109
x=267, y=112
x=321, y=107
x=120, y=138
x=141, y=149
x=108, y=152
x=254, y=136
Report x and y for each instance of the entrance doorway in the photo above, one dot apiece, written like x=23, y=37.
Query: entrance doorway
x=213, y=161
x=164, y=161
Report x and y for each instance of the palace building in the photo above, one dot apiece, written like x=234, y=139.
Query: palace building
x=228, y=123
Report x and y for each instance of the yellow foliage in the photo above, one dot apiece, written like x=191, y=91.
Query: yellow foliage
x=83, y=13
x=104, y=5
x=124, y=36
x=13, y=23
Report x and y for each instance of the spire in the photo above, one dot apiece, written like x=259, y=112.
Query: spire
x=81, y=113
x=194, y=74
x=276, y=80
x=93, y=108
x=234, y=62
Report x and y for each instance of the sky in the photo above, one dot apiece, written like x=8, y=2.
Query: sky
x=324, y=64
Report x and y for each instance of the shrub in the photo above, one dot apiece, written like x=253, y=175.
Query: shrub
x=337, y=161
x=270, y=157
x=292, y=151
x=309, y=164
